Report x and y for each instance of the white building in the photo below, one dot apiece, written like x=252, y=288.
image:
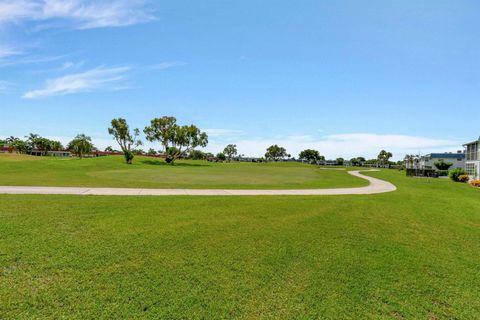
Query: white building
x=427, y=162
x=472, y=163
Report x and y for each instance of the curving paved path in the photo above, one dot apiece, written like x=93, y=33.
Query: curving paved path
x=375, y=186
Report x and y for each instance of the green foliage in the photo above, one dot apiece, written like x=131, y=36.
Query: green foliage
x=37, y=142
x=230, y=151
x=221, y=156
x=357, y=162
x=81, y=145
x=197, y=155
x=310, y=155
x=275, y=153
x=456, y=173
x=340, y=161
x=442, y=165
x=162, y=130
x=125, y=139
x=152, y=152
x=384, y=157
x=177, y=140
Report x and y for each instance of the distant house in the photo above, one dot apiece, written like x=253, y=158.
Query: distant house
x=62, y=154
x=42, y=153
x=6, y=149
x=472, y=163
x=427, y=162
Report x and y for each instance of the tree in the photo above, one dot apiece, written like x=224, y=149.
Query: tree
x=19, y=145
x=357, y=162
x=161, y=129
x=81, y=145
x=152, y=152
x=275, y=153
x=221, y=156
x=176, y=140
x=383, y=157
x=310, y=155
x=184, y=139
x=442, y=165
x=109, y=149
x=230, y=151
x=126, y=139
x=340, y=161
x=56, y=145
x=197, y=155
x=35, y=141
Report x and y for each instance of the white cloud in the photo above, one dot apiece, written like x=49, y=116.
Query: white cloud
x=100, y=78
x=343, y=145
x=82, y=14
x=167, y=65
x=7, y=51
x=71, y=65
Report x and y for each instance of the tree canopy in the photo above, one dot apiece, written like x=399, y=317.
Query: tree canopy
x=275, y=153
x=176, y=140
x=126, y=140
x=162, y=130
x=442, y=165
x=383, y=157
x=230, y=151
x=81, y=145
x=310, y=155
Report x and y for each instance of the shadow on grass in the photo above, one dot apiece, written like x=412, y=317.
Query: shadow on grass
x=163, y=163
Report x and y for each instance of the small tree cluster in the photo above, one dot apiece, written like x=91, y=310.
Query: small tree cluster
x=276, y=153
x=310, y=155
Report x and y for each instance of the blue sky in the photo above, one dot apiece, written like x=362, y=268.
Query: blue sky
x=345, y=77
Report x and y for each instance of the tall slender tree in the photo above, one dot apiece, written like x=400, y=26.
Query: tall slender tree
x=126, y=140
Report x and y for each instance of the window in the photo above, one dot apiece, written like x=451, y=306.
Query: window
x=470, y=168
x=472, y=151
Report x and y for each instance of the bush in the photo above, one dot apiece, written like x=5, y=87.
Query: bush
x=475, y=183
x=455, y=173
x=442, y=165
x=463, y=178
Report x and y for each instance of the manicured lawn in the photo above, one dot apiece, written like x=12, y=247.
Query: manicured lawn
x=410, y=254
x=153, y=173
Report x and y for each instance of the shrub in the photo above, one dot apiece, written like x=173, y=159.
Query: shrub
x=455, y=173
x=442, y=165
x=463, y=178
x=475, y=183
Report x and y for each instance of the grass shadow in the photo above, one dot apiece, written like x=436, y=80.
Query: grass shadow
x=163, y=163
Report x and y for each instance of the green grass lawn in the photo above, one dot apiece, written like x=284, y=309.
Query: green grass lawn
x=153, y=173
x=410, y=254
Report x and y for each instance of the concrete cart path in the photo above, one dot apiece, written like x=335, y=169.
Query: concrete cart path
x=375, y=186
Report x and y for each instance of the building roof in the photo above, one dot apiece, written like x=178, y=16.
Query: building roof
x=473, y=142
x=447, y=155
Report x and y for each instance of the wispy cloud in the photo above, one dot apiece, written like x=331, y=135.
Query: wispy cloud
x=27, y=60
x=81, y=14
x=167, y=65
x=68, y=65
x=8, y=51
x=101, y=78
